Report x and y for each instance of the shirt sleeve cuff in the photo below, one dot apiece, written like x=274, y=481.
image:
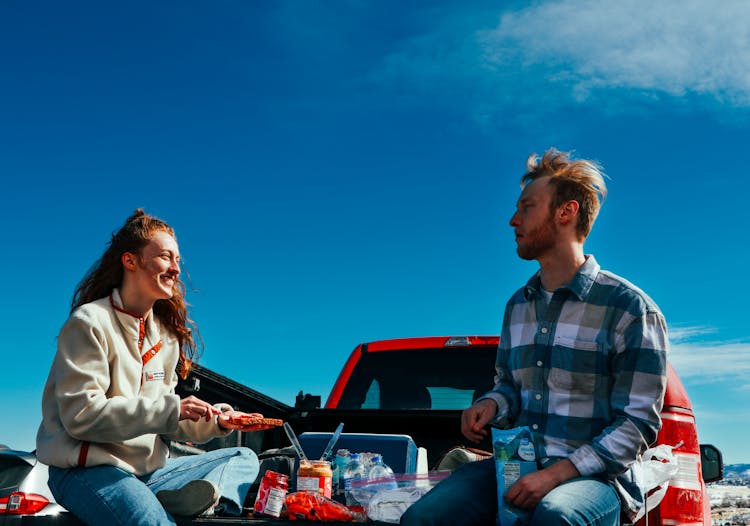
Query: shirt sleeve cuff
x=502, y=405
x=223, y=407
x=173, y=412
x=586, y=461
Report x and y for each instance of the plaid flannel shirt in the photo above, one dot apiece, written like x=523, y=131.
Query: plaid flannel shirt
x=586, y=372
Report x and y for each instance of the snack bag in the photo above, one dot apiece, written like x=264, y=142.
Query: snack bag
x=514, y=458
x=306, y=505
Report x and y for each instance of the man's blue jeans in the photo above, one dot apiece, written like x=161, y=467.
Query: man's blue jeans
x=110, y=496
x=469, y=496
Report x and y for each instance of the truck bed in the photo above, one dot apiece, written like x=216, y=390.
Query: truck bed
x=65, y=519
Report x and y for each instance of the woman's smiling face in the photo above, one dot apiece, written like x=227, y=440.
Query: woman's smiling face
x=157, y=268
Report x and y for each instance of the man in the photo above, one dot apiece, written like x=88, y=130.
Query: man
x=581, y=362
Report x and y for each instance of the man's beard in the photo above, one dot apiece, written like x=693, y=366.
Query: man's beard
x=539, y=240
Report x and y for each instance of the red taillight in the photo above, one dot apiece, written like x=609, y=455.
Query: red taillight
x=683, y=503
x=22, y=504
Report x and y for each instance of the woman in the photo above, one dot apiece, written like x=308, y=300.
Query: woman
x=109, y=403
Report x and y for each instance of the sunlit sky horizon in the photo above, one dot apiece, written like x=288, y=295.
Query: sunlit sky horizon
x=340, y=172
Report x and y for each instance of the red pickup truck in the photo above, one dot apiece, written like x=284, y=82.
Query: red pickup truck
x=448, y=373
x=416, y=387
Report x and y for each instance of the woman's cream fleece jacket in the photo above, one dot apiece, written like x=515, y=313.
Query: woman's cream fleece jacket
x=102, y=405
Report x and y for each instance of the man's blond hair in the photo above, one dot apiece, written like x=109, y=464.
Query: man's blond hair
x=571, y=180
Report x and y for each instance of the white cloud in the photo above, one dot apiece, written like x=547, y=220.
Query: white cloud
x=677, y=334
x=710, y=361
x=577, y=52
x=674, y=47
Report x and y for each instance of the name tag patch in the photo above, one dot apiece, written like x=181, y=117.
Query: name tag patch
x=152, y=376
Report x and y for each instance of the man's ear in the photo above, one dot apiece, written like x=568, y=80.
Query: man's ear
x=129, y=261
x=568, y=212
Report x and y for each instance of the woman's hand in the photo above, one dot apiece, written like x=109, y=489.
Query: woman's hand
x=192, y=408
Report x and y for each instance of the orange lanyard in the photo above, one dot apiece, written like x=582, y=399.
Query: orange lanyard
x=151, y=353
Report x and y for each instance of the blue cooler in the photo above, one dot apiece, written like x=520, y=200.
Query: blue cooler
x=399, y=451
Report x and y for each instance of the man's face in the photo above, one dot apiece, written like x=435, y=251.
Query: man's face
x=533, y=221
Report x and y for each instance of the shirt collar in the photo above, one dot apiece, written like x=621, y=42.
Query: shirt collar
x=141, y=330
x=580, y=285
x=116, y=300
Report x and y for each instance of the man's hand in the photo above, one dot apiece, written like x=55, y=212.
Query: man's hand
x=530, y=489
x=475, y=418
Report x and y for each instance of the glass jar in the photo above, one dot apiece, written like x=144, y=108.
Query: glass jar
x=315, y=475
x=271, y=494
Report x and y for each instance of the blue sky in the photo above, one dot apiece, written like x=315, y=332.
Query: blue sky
x=342, y=171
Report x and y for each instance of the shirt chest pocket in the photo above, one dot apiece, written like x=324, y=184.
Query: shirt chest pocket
x=574, y=365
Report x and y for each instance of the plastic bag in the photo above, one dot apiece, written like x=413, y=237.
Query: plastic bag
x=663, y=466
x=385, y=501
x=308, y=505
x=654, y=469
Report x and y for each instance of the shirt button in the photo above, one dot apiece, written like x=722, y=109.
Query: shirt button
x=538, y=397
x=539, y=363
x=534, y=426
x=544, y=330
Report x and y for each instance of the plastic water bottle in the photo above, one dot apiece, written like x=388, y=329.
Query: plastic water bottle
x=354, y=471
x=380, y=470
x=340, y=463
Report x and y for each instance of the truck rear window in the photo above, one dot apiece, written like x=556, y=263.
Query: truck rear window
x=446, y=378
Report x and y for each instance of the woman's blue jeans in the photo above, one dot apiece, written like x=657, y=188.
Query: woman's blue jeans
x=469, y=496
x=110, y=496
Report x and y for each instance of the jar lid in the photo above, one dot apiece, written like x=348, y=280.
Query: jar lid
x=274, y=475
